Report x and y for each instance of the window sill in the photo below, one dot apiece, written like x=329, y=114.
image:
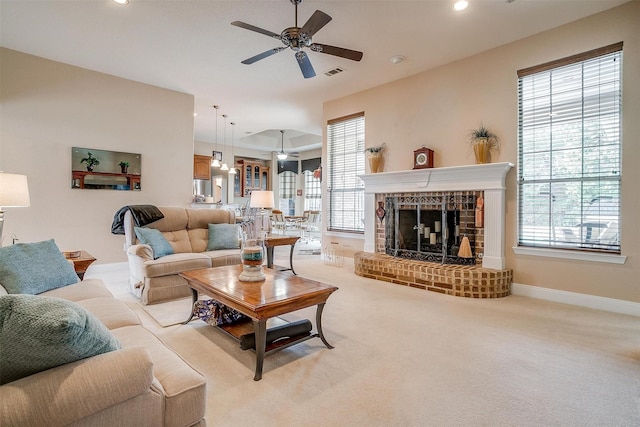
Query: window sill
x=346, y=235
x=581, y=256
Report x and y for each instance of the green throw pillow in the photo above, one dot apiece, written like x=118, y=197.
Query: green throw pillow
x=155, y=239
x=38, y=333
x=223, y=236
x=33, y=268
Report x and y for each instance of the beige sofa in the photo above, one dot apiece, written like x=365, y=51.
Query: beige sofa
x=187, y=230
x=142, y=384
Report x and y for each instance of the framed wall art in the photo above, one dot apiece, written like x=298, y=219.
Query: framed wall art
x=105, y=170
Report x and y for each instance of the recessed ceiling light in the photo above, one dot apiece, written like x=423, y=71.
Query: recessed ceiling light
x=121, y=1
x=396, y=59
x=461, y=5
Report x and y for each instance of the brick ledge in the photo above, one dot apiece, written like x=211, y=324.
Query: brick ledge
x=456, y=280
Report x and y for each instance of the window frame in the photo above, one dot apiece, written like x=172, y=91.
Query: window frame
x=345, y=145
x=312, y=192
x=287, y=191
x=551, y=246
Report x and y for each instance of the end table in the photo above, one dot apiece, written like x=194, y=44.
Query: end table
x=271, y=241
x=82, y=262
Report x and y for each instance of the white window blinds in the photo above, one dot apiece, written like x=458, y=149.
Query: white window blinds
x=570, y=152
x=312, y=192
x=345, y=139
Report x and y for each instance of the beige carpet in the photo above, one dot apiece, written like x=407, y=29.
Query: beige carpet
x=168, y=313
x=406, y=357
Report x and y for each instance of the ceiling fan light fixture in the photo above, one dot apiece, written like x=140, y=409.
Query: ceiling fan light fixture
x=216, y=163
x=297, y=38
x=282, y=155
x=232, y=171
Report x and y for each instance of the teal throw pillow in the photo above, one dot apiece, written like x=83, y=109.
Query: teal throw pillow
x=155, y=239
x=33, y=268
x=38, y=333
x=223, y=236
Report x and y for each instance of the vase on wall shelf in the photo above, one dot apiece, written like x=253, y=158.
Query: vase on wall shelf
x=481, y=151
x=375, y=162
x=483, y=141
x=375, y=156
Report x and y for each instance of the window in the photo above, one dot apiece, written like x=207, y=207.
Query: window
x=312, y=192
x=569, y=152
x=287, y=197
x=345, y=140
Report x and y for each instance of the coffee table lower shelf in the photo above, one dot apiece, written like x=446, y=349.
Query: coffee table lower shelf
x=238, y=329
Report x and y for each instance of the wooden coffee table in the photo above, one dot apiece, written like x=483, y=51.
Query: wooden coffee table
x=278, y=294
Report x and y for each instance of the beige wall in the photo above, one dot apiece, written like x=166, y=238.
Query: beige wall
x=47, y=108
x=437, y=108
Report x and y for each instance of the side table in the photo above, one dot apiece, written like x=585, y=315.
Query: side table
x=81, y=263
x=272, y=241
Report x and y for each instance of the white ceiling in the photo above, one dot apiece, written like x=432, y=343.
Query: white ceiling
x=190, y=46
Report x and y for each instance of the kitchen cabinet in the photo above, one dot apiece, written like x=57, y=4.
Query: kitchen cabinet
x=254, y=175
x=201, y=167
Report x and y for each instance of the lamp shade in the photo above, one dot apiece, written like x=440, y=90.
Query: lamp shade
x=14, y=191
x=261, y=199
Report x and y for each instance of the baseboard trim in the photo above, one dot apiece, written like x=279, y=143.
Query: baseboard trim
x=573, y=298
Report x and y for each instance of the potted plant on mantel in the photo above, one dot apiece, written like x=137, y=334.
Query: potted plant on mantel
x=90, y=161
x=483, y=141
x=375, y=157
x=124, y=166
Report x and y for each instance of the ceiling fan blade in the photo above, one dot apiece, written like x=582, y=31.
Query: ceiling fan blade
x=305, y=64
x=318, y=20
x=354, y=55
x=263, y=55
x=256, y=29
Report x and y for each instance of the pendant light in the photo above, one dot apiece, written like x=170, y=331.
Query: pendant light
x=216, y=163
x=282, y=155
x=224, y=143
x=232, y=171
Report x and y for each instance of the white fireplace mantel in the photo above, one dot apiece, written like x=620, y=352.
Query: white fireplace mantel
x=489, y=178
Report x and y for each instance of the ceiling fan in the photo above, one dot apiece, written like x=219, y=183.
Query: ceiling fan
x=297, y=38
x=283, y=155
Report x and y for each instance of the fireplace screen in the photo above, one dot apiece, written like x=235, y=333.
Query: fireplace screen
x=434, y=227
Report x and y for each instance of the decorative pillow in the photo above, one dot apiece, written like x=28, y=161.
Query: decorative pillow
x=223, y=236
x=155, y=239
x=33, y=268
x=38, y=333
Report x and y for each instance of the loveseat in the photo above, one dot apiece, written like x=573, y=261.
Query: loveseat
x=140, y=382
x=155, y=278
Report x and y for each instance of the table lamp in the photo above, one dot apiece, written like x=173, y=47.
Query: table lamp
x=262, y=200
x=14, y=192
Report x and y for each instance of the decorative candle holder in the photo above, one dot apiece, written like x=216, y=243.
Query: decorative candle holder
x=251, y=256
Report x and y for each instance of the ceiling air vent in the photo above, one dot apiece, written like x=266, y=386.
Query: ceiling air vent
x=334, y=71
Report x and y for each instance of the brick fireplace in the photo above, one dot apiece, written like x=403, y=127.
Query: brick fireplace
x=487, y=277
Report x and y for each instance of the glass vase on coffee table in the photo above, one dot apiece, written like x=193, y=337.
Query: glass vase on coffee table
x=252, y=257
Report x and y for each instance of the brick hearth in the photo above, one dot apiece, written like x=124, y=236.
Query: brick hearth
x=456, y=280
